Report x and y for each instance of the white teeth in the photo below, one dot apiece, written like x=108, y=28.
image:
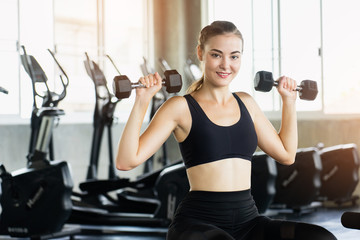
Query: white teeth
x=224, y=74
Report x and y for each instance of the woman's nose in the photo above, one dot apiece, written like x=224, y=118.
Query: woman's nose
x=225, y=63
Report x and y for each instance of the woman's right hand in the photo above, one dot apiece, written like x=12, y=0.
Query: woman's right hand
x=152, y=83
x=287, y=88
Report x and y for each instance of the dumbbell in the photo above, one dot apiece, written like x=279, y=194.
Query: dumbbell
x=264, y=82
x=122, y=86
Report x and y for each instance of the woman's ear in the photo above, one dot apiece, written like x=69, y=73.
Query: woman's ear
x=199, y=53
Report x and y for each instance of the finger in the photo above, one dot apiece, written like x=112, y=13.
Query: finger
x=282, y=82
x=142, y=81
x=294, y=84
x=151, y=80
x=291, y=84
x=158, y=78
x=288, y=83
x=285, y=83
x=147, y=81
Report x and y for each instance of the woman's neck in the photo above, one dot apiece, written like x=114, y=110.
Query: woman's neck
x=217, y=95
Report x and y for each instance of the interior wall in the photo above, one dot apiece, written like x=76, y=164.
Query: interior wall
x=177, y=24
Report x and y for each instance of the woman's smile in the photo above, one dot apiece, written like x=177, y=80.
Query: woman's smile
x=223, y=74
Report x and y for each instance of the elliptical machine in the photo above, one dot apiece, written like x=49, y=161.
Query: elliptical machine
x=36, y=199
x=103, y=117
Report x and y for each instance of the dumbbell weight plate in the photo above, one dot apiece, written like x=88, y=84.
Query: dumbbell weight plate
x=309, y=90
x=173, y=81
x=263, y=81
x=122, y=86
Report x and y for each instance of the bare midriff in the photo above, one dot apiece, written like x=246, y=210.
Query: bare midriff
x=231, y=174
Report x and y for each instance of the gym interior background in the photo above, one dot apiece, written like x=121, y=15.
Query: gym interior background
x=278, y=38
x=305, y=39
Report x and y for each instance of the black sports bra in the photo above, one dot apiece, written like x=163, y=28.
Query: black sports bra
x=208, y=142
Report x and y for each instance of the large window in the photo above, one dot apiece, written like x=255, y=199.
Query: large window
x=105, y=27
x=76, y=32
x=125, y=28
x=9, y=64
x=341, y=56
x=300, y=43
x=303, y=39
x=28, y=23
x=36, y=33
x=265, y=48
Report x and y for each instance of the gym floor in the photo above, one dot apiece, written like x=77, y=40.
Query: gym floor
x=328, y=217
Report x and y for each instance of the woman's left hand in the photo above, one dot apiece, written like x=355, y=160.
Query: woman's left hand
x=287, y=88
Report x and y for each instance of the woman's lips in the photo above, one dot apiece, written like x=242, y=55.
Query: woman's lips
x=223, y=74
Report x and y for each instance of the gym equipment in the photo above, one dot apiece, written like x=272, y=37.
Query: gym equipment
x=40, y=100
x=263, y=177
x=150, y=200
x=264, y=82
x=351, y=220
x=36, y=199
x=103, y=117
x=3, y=90
x=122, y=85
x=305, y=174
x=340, y=173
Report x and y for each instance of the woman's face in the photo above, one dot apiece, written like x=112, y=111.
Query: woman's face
x=221, y=58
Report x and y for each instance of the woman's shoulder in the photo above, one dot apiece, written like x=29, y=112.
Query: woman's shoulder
x=176, y=100
x=175, y=104
x=249, y=102
x=245, y=97
x=176, y=108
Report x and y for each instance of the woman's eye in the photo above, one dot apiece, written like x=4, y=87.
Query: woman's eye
x=234, y=57
x=215, y=55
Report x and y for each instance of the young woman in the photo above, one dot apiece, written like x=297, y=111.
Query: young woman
x=218, y=132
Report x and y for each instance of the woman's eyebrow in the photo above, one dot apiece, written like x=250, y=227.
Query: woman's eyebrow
x=217, y=50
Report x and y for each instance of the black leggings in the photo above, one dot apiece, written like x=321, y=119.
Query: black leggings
x=233, y=216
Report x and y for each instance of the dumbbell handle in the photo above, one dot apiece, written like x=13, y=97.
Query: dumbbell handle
x=140, y=85
x=298, y=88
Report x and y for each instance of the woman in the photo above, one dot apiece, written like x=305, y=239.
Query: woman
x=218, y=132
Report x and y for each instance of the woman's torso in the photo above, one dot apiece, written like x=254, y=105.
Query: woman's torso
x=226, y=174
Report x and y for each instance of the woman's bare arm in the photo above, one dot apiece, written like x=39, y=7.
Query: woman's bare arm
x=134, y=149
x=282, y=145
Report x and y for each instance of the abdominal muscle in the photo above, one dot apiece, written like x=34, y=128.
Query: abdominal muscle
x=231, y=174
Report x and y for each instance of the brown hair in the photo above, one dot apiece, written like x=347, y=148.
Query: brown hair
x=214, y=29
